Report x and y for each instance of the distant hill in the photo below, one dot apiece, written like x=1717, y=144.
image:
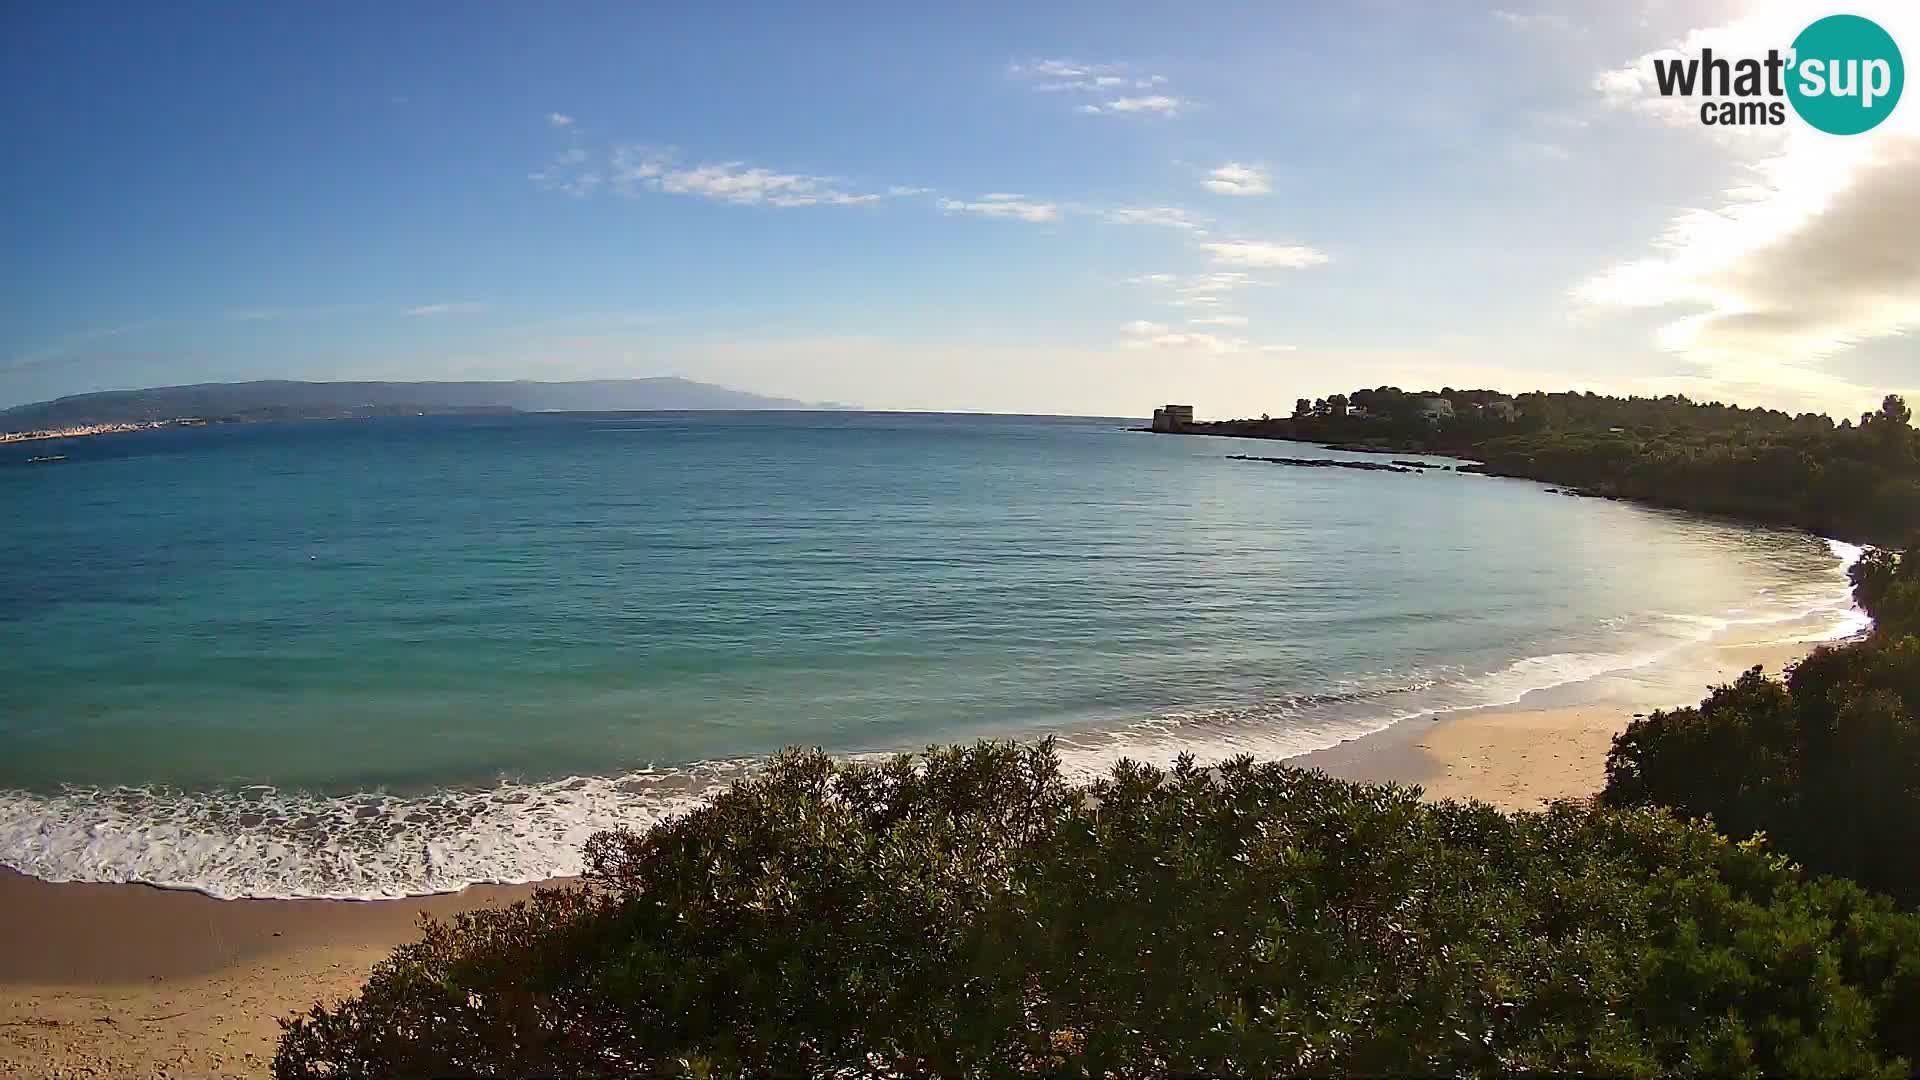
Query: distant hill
x=278, y=400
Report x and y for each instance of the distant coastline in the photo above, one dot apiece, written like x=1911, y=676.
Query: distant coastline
x=84, y=430
x=128, y=410
x=1846, y=480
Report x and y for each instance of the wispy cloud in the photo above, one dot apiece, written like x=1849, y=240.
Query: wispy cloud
x=1260, y=254
x=1172, y=217
x=559, y=120
x=1110, y=80
x=1219, y=320
x=633, y=170
x=464, y=307
x=1002, y=204
x=1234, y=178
x=1151, y=104
x=571, y=173
x=1146, y=334
x=72, y=343
x=1198, y=290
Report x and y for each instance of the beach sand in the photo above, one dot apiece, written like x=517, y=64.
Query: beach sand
x=1523, y=756
x=126, y=980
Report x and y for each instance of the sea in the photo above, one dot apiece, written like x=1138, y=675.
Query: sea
x=388, y=657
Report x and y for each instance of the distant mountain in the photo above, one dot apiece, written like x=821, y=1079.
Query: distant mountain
x=277, y=400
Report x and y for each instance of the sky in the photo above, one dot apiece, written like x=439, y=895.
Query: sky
x=1038, y=208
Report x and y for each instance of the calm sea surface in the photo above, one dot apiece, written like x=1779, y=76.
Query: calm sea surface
x=375, y=658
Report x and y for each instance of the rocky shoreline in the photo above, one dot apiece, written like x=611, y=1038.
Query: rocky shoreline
x=1329, y=463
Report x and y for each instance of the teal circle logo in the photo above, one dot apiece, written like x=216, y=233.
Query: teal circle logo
x=1847, y=75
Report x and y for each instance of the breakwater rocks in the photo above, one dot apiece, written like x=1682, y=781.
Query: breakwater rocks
x=1328, y=463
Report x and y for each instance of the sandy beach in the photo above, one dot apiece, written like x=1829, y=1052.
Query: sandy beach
x=1522, y=756
x=121, y=980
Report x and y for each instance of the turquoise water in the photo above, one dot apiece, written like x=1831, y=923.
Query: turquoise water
x=374, y=658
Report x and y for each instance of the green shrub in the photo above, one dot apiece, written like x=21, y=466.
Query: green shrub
x=968, y=912
x=1826, y=763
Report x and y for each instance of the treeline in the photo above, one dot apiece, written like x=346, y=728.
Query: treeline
x=1856, y=481
x=1825, y=763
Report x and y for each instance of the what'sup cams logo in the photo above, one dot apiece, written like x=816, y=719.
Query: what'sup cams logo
x=1843, y=75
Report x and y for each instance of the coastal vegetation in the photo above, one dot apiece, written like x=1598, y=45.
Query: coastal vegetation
x=1825, y=763
x=969, y=911
x=1856, y=481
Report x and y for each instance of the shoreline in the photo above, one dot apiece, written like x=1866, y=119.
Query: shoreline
x=118, y=979
x=1544, y=747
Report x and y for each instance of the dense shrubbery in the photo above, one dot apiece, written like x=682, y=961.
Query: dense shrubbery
x=1887, y=585
x=1827, y=763
x=968, y=912
x=1856, y=481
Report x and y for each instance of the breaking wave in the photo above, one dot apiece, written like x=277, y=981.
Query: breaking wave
x=265, y=842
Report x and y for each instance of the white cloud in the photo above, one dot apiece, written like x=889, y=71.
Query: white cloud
x=1069, y=76
x=1219, y=320
x=559, y=120
x=1234, y=178
x=1813, y=249
x=1152, y=104
x=465, y=307
x=1170, y=216
x=570, y=174
x=1002, y=204
x=1256, y=253
x=633, y=170
x=1145, y=334
x=1058, y=75
x=1198, y=290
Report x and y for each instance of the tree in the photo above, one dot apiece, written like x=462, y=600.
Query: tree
x=1826, y=763
x=968, y=912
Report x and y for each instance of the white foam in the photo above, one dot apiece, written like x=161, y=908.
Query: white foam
x=263, y=842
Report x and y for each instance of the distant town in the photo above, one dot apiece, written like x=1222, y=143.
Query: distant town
x=97, y=429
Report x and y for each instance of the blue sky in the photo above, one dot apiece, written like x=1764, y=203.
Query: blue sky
x=1057, y=207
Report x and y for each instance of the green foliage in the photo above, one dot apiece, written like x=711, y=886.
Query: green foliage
x=1887, y=585
x=968, y=912
x=1857, y=482
x=1827, y=763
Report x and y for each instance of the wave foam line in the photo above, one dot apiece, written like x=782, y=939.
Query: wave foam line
x=262, y=842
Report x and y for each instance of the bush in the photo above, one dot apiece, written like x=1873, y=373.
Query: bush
x=968, y=912
x=1826, y=763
